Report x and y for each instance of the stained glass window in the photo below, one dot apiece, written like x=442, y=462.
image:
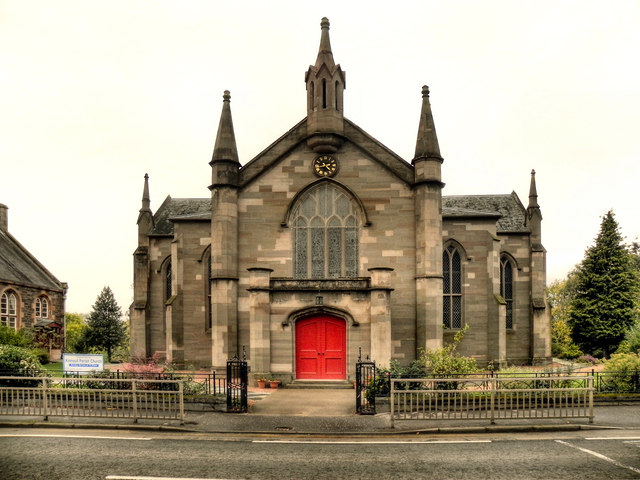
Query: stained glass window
x=325, y=234
x=452, y=288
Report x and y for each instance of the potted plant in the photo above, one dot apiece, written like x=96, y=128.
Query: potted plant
x=274, y=383
x=262, y=383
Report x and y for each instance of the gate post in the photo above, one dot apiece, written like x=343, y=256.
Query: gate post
x=365, y=386
x=237, y=380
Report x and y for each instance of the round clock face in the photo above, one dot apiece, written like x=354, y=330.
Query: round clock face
x=325, y=166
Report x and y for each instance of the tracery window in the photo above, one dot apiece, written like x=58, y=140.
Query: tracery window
x=9, y=310
x=325, y=234
x=452, y=288
x=42, y=307
x=506, y=287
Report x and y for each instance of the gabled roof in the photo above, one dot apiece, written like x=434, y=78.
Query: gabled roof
x=298, y=135
x=179, y=208
x=18, y=266
x=508, y=209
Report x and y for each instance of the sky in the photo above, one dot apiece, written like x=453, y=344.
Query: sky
x=97, y=93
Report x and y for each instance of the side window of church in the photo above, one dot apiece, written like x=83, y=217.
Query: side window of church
x=8, y=310
x=506, y=287
x=325, y=234
x=42, y=308
x=167, y=282
x=452, y=288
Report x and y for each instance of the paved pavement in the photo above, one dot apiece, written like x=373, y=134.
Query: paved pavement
x=332, y=412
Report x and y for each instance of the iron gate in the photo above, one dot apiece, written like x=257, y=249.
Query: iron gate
x=365, y=386
x=237, y=379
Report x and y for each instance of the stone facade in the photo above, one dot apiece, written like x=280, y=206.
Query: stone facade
x=329, y=226
x=30, y=296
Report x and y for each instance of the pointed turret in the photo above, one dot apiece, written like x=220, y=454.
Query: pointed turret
x=325, y=87
x=145, y=215
x=224, y=161
x=427, y=143
x=428, y=197
x=533, y=191
x=534, y=215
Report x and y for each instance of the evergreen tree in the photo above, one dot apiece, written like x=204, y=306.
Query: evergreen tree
x=605, y=303
x=104, y=329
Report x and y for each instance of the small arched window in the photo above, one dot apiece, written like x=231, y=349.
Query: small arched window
x=324, y=93
x=42, y=308
x=506, y=287
x=9, y=310
x=452, y=288
x=207, y=289
x=325, y=225
x=167, y=281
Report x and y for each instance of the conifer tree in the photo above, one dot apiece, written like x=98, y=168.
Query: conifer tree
x=104, y=328
x=605, y=303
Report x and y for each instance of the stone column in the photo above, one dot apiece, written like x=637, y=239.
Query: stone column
x=259, y=320
x=380, y=311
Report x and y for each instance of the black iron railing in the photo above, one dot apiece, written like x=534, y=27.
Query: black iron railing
x=237, y=383
x=365, y=386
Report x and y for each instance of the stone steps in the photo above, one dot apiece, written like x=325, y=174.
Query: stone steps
x=320, y=384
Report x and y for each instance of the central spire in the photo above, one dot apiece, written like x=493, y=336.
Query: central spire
x=325, y=86
x=325, y=56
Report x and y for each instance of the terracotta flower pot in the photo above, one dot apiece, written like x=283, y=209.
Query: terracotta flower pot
x=262, y=384
x=274, y=383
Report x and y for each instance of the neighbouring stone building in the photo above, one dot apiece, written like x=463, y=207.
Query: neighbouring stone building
x=328, y=242
x=30, y=296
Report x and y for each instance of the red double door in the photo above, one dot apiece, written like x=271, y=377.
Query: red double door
x=321, y=348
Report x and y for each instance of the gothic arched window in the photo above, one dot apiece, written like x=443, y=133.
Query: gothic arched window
x=506, y=287
x=167, y=281
x=9, y=310
x=42, y=307
x=325, y=234
x=452, y=288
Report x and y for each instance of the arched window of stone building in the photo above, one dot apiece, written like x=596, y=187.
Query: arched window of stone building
x=506, y=286
x=207, y=289
x=42, y=307
x=9, y=310
x=167, y=281
x=452, y=288
x=325, y=224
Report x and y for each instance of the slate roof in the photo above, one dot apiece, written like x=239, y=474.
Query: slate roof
x=508, y=209
x=18, y=266
x=179, y=208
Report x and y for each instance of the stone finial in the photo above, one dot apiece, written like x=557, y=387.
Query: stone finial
x=427, y=146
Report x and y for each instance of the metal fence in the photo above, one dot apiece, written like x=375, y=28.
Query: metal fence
x=603, y=381
x=90, y=397
x=491, y=398
x=202, y=383
x=365, y=387
x=237, y=385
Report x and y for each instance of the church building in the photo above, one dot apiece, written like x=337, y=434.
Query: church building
x=326, y=244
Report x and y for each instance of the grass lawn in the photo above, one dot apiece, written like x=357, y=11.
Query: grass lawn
x=53, y=367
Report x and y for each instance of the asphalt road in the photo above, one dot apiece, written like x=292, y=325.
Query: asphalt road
x=34, y=453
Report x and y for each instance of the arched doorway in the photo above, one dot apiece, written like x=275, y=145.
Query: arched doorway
x=321, y=348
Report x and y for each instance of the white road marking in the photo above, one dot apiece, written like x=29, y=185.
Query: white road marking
x=382, y=442
x=46, y=435
x=600, y=456
x=612, y=438
x=133, y=477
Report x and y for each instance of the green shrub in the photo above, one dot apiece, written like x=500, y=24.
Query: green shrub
x=18, y=359
x=446, y=361
x=17, y=338
x=625, y=371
